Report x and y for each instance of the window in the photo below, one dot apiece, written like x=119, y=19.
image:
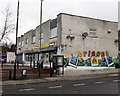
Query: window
x=53, y=32
x=33, y=39
x=19, y=43
x=92, y=33
x=41, y=35
x=41, y=41
x=26, y=40
x=22, y=43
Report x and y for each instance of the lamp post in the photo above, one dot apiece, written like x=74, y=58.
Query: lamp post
x=40, y=24
x=40, y=33
x=14, y=76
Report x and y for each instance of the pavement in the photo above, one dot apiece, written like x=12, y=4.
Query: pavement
x=69, y=74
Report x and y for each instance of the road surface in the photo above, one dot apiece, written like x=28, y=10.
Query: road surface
x=106, y=85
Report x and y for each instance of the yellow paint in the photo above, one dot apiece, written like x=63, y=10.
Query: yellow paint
x=43, y=45
x=79, y=54
x=81, y=60
x=94, y=61
x=31, y=48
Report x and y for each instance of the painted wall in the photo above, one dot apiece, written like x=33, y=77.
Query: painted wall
x=119, y=15
x=76, y=25
x=45, y=31
x=91, y=58
x=28, y=35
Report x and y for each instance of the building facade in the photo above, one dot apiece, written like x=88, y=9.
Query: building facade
x=70, y=35
x=119, y=25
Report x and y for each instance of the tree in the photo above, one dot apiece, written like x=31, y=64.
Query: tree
x=8, y=26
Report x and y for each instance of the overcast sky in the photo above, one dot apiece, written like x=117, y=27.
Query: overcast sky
x=30, y=11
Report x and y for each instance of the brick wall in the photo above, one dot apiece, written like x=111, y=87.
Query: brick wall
x=31, y=73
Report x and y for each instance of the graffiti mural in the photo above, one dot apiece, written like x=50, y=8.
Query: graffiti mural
x=92, y=58
x=94, y=61
x=73, y=61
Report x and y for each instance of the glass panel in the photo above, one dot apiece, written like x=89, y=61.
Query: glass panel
x=54, y=32
x=92, y=33
x=33, y=39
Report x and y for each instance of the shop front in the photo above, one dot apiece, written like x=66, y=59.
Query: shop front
x=31, y=56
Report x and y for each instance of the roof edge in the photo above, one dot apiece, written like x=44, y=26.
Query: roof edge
x=86, y=17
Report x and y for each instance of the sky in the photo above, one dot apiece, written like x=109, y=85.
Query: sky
x=29, y=11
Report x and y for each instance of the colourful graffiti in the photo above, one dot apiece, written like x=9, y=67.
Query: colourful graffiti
x=92, y=58
x=73, y=61
x=93, y=54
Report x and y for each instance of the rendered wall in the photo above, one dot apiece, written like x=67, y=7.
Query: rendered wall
x=74, y=25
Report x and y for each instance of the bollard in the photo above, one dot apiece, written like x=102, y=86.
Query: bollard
x=51, y=70
x=14, y=75
x=38, y=66
x=30, y=63
x=17, y=65
x=10, y=75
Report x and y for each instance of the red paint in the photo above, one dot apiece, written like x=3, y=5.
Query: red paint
x=102, y=54
x=93, y=53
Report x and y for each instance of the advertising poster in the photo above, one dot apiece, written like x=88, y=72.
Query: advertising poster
x=73, y=61
x=109, y=60
x=94, y=61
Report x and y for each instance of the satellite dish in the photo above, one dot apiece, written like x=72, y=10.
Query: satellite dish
x=85, y=34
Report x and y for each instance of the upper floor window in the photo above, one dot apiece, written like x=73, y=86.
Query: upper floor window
x=92, y=33
x=19, y=43
x=33, y=39
x=53, y=32
x=41, y=41
x=42, y=35
x=26, y=40
x=22, y=43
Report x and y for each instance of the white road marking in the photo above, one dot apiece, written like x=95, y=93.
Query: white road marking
x=27, y=89
x=55, y=87
x=116, y=80
x=99, y=82
x=79, y=84
x=113, y=75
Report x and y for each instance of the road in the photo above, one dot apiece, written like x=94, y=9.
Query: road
x=106, y=85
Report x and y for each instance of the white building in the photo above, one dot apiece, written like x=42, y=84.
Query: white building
x=72, y=35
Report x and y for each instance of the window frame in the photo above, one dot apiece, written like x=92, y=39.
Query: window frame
x=33, y=39
x=92, y=33
x=19, y=43
x=22, y=43
x=26, y=41
x=52, y=33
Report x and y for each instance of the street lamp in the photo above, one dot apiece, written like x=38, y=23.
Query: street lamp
x=40, y=24
x=40, y=33
x=14, y=77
